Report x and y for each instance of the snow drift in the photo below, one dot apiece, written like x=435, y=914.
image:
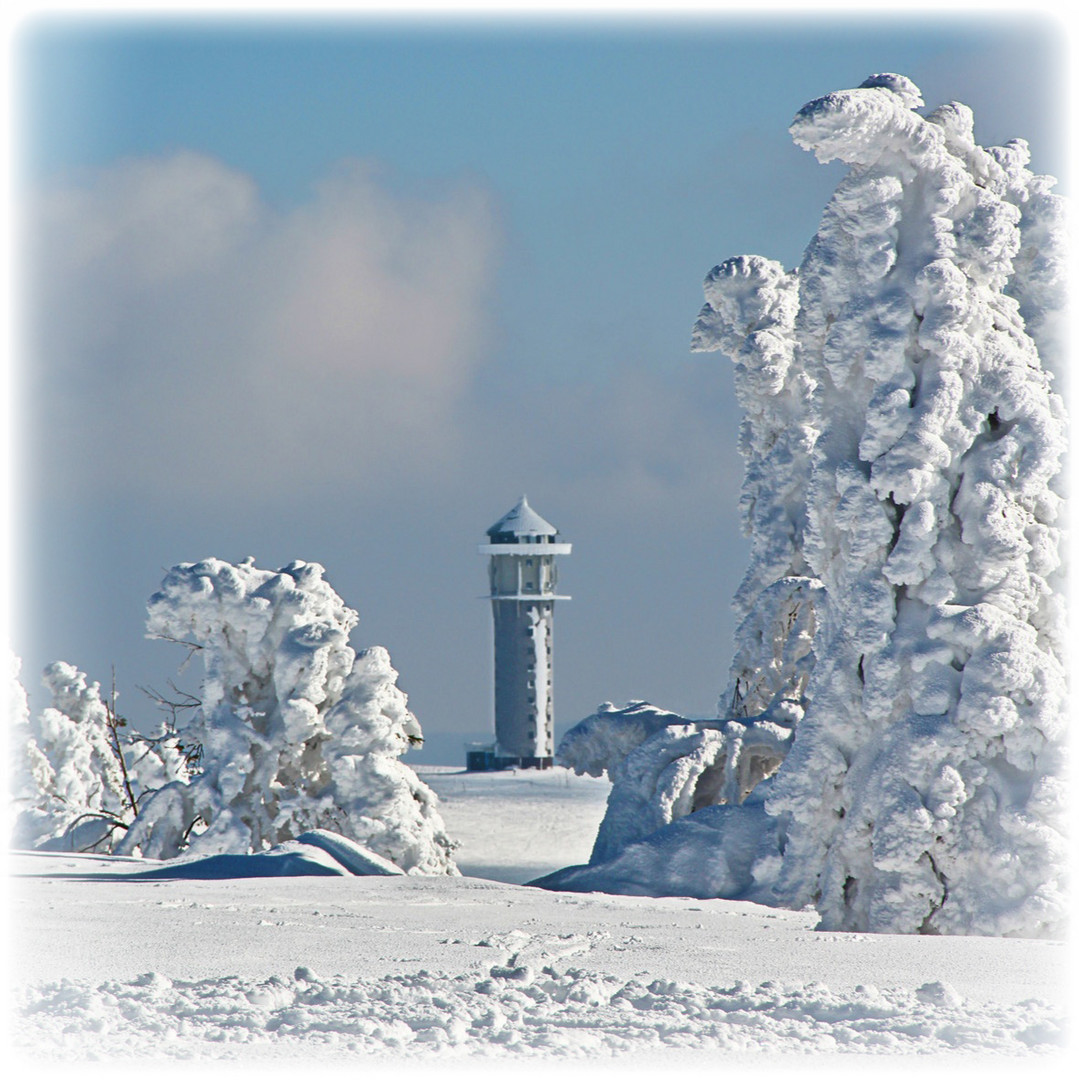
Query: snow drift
x=903, y=446
x=510, y=1015
x=318, y=853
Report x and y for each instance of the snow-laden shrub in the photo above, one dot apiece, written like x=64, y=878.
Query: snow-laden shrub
x=598, y=743
x=79, y=776
x=663, y=766
x=903, y=446
x=297, y=731
x=21, y=763
x=685, y=768
x=724, y=850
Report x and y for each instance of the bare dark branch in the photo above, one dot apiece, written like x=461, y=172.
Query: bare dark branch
x=114, y=722
x=191, y=646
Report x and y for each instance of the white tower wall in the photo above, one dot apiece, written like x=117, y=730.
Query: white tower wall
x=523, y=579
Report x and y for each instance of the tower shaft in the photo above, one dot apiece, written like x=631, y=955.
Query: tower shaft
x=523, y=579
x=524, y=714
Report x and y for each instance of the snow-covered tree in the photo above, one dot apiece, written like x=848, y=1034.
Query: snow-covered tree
x=903, y=444
x=750, y=310
x=20, y=763
x=297, y=732
x=79, y=775
x=925, y=785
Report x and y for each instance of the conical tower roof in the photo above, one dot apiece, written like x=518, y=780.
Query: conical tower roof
x=522, y=520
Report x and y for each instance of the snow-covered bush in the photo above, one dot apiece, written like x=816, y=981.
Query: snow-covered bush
x=724, y=850
x=917, y=501
x=685, y=768
x=599, y=742
x=79, y=776
x=658, y=776
x=297, y=731
x=20, y=763
x=664, y=767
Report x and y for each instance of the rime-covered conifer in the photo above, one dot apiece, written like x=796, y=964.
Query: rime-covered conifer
x=903, y=443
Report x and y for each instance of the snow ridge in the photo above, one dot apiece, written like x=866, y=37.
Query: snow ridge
x=513, y=1011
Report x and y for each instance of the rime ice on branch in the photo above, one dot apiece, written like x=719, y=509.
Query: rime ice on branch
x=903, y=445
x=297, y=731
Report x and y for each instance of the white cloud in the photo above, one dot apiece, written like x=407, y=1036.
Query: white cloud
x=180, y=333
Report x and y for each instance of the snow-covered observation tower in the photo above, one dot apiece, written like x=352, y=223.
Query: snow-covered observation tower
x=523, y=578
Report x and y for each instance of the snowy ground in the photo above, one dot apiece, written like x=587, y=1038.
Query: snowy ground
x=392, y=971
x=521, y=824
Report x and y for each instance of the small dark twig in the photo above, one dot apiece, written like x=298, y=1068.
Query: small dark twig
x=114, y=722
x=178, y=703
x=191, y=646
x=114, y=824
x=198, y=819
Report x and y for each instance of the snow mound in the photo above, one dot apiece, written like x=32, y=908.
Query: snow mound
x=355, y=858
x=723, y=851
x=511, y=1011
x=318, y=853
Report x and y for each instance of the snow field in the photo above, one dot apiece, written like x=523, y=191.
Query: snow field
x=519, y=824
x=462, y=970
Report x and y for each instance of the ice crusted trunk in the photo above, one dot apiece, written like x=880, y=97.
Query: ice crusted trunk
x=297, y=731
x=924, y=785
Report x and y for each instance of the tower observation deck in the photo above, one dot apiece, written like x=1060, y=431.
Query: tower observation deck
x=523, y=578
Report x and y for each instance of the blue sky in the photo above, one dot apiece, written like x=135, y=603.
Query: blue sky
x=343, y=290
